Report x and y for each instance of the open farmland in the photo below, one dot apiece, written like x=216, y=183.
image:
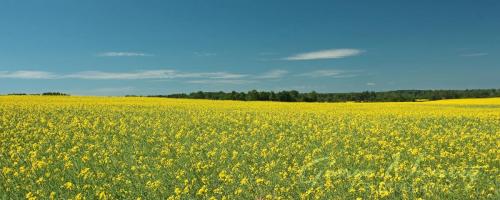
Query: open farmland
x=151, y=148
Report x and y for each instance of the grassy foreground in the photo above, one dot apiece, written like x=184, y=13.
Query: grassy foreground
x=151, y=148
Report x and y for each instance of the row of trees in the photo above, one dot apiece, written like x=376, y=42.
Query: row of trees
x=367, y=96
x=43, y=94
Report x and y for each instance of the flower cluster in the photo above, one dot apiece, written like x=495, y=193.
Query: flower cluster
x=152, y=148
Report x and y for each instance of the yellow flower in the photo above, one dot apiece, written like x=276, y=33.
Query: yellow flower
x=68, y=185
x=177, y=191
x=102, y=195
x=6, y=171
x=238, y=191
x=203, y=190
x=79, y=196
x=52, y=195
x=30, y=196
x=244, y=181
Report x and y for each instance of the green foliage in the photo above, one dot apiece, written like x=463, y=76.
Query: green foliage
x=54, y=94
x=43, y=94
x=367, y=96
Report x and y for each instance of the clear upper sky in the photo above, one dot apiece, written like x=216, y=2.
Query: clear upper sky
x=117, y=47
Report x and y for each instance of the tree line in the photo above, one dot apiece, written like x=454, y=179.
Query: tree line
x=367, y=96
x=43, y=94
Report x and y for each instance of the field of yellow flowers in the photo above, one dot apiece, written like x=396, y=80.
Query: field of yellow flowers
x=152, y=148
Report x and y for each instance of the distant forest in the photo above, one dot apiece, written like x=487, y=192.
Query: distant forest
x=43, y=94
x=295, y=96
x=367, y=96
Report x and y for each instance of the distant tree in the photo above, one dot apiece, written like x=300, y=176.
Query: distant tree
x=252, y=95
x=310, y=97
x=54, y=94
x=197, y=95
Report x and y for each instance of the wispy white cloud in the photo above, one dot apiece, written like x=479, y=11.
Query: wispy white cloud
x=122, y=54
x=371, y=84
x=190, y=77
x=211, y=75
x=273, y=74
x=221, y=81
x=204, y=54
x=113, y=89
x=148, y=74
x=133, y=75
x=475, y=54
x=325, y=54
x=228, y=78
x=334, y=73
x=154, y=74
x=267, y=53
x=107, y=91
x=27, y=74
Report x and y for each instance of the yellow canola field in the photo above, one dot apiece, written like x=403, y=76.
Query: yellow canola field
x=158, y=148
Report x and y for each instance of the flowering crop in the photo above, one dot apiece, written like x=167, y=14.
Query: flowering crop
x=151, y=148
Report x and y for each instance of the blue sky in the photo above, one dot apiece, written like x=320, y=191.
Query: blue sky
x=117, y=47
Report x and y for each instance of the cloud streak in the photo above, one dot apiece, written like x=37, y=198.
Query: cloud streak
x=151, y=74
x=26, y=74
x=333, y=73
x=168, y=74
x=99, y=75
x=132, y=75
x=273, y=74
x=123, y=54
x=475, y=54
x=221, y=81
x=204, y=54
x=325, y=54
x=241, y=79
